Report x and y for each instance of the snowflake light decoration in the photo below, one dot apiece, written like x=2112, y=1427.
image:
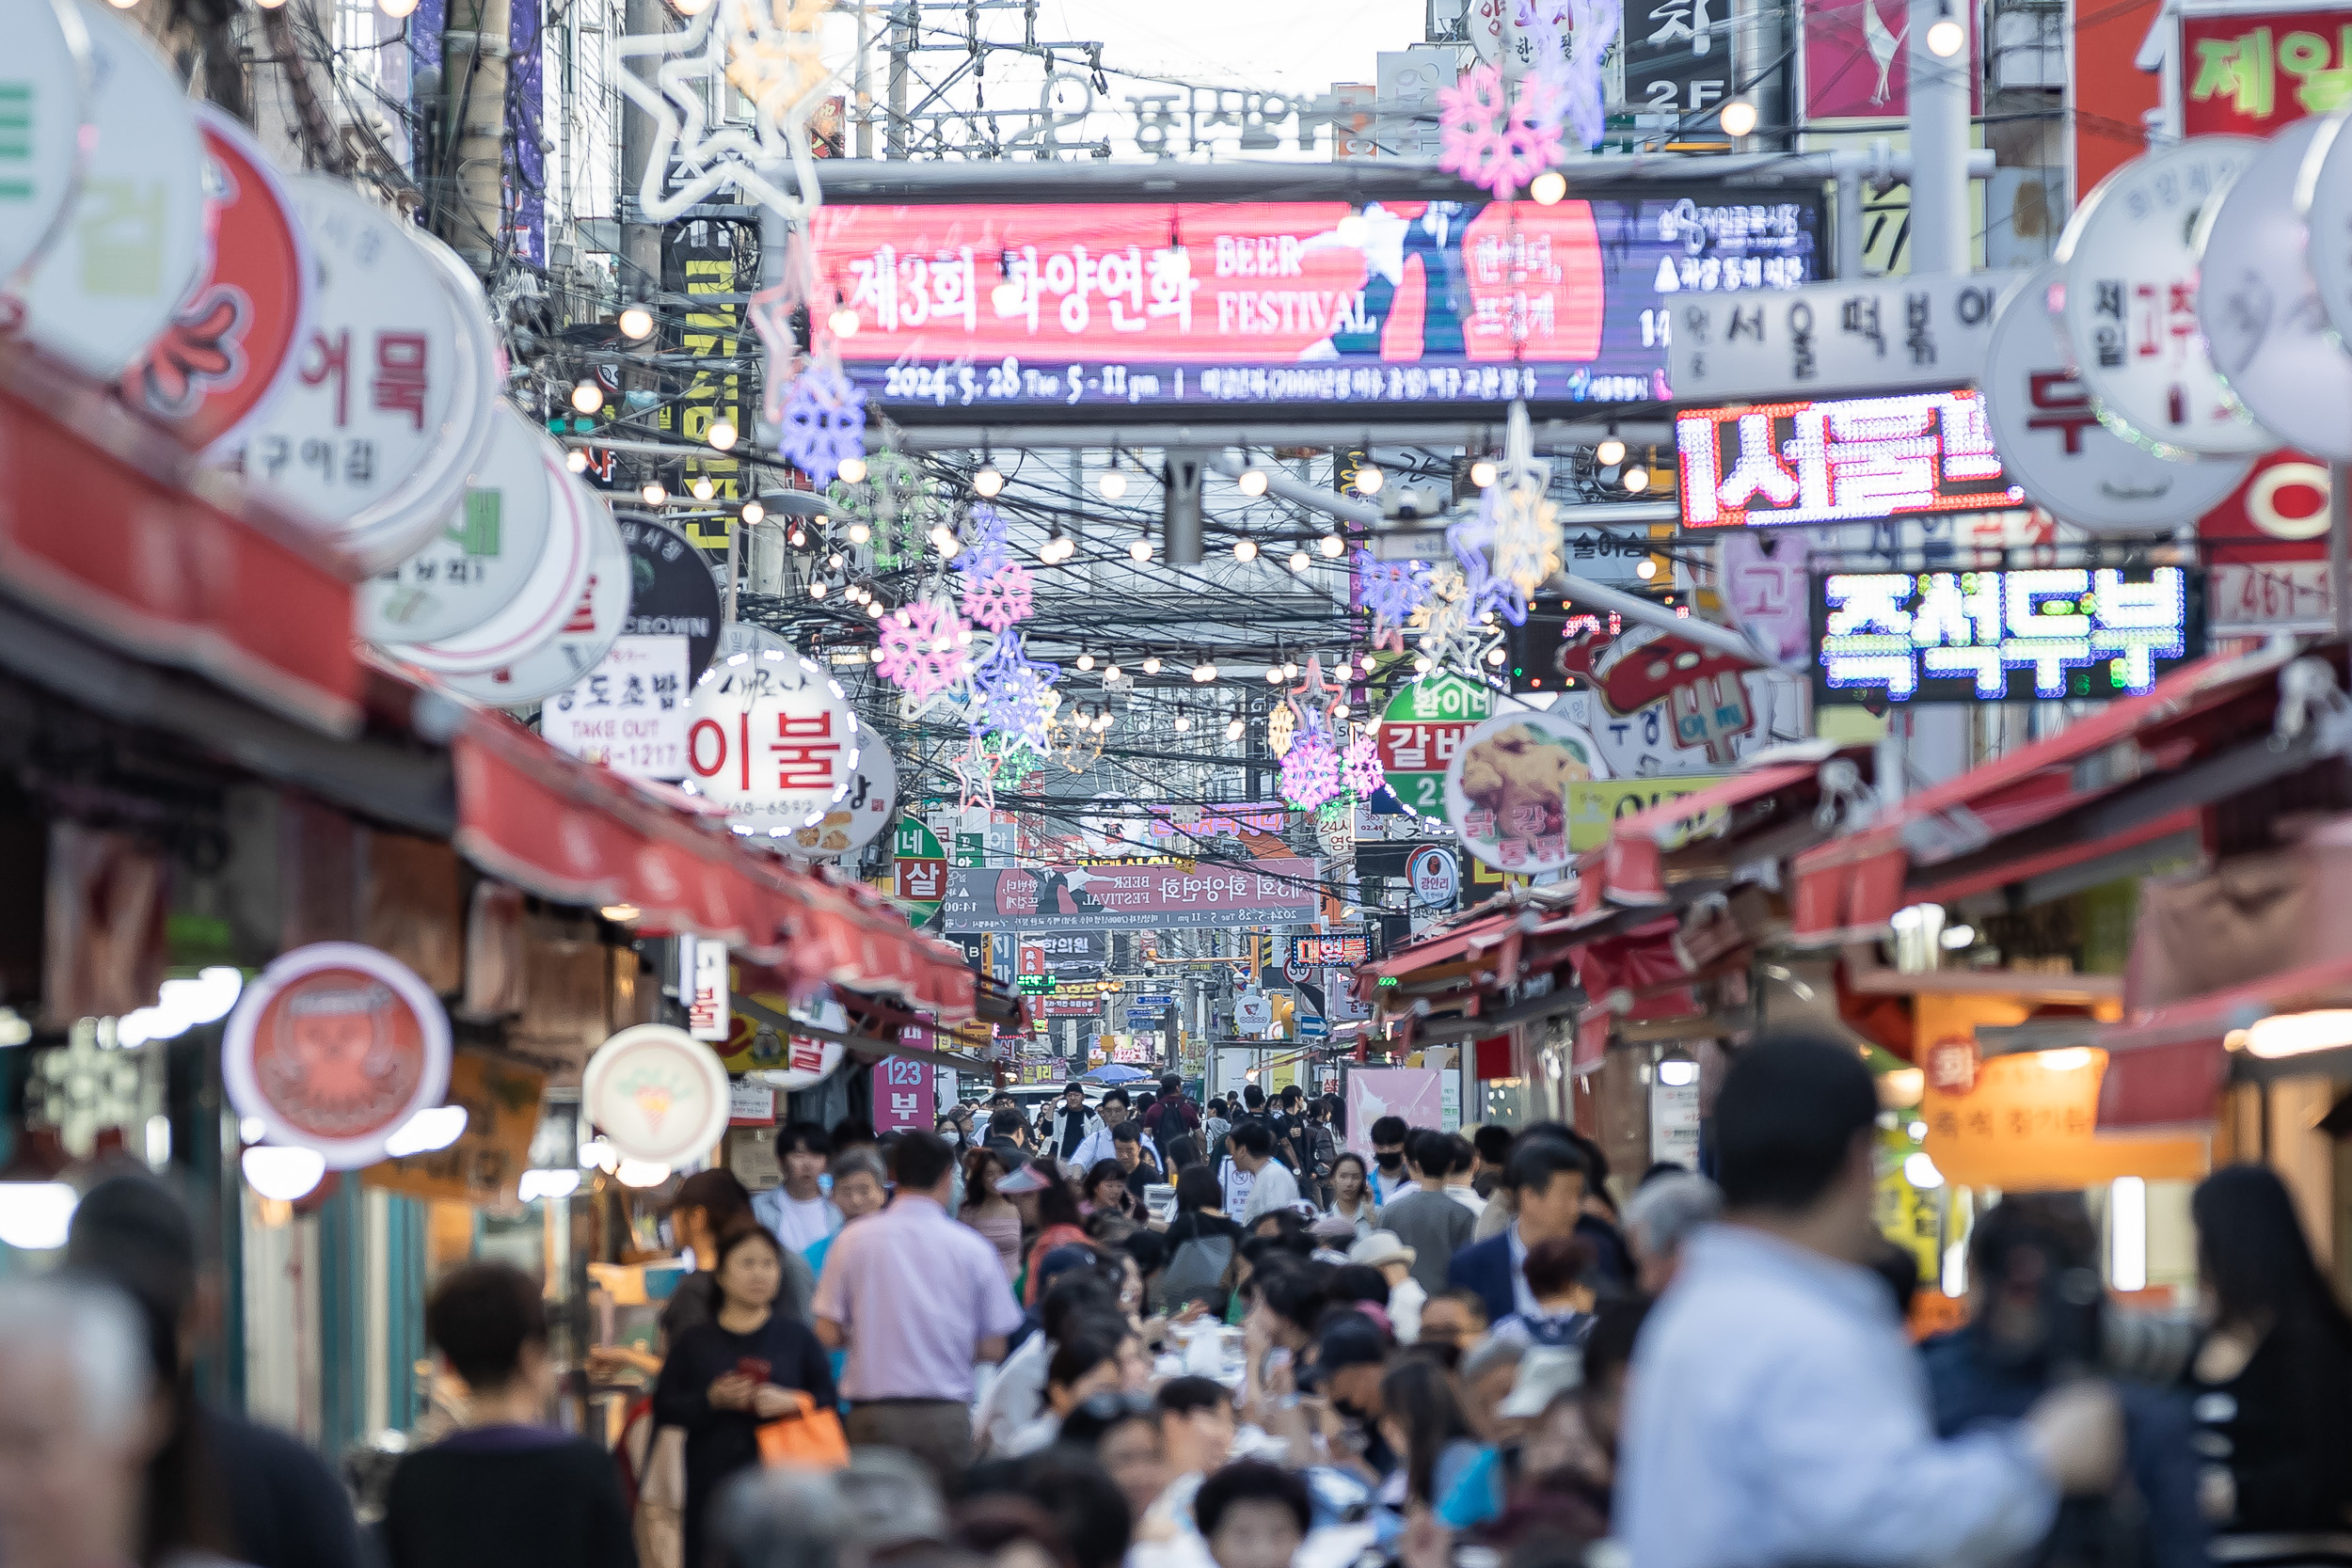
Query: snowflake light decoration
x=1016, y=696
x=1492, y=138
x=1281, y=730
x=986, y=551
x=1572, y=66
x=896, y=500
x=1002, y=599
x=922, y=649
x=1391, y=592
x=823, y=423
x=1311, y=772
x=1360, y=765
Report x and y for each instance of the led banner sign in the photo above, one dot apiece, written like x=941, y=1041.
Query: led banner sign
x=1839, y=461
x=1161, y=305
x=2082, y=633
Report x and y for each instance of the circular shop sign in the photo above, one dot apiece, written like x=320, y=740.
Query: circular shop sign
x=2052, y=444
x=136, y=237
x=2131, y=301
x=858, y=817
x=674, y=594
x=2324, y=197
x=771, y=738
x=584, y=638
x=2260, y=307
x=45, y=103
x=1506, y=789
x=1434, y=875
x=807, y=1060
x=489, y=545
x=232, y=346
x=549, y=599
x=333, y=1048
x=657, y=1093
x=398, y=376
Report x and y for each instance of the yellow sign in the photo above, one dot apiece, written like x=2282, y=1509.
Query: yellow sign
x=1910, y=1219
x=487, y=1163
x=1595, y=805
x=2029, y=1122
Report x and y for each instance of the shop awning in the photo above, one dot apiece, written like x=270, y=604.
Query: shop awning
x=2166, y=1066
x=101, y=530
x=1774, y=798
x=2109, y=793
x=576, y=833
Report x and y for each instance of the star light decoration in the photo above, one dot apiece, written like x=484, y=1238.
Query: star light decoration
x=1494, y=137
x=1521, y=523
x=1391, y=591
x=766, y=49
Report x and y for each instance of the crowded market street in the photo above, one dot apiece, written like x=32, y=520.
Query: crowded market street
x=1048, y=784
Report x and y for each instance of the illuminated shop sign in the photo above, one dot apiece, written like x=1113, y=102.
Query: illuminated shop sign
x=1990, y=637
x=1840, y=460
x=1160, y=304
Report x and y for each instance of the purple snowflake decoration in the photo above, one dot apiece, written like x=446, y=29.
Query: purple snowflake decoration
x=1469, y=539
x=1016, y=692
x=1572, y=68
x=1361, y=762
x=922, y=649
x=1002, y=599
x=1492, y=139
x=1392, y=590
x=823, y=423
x=985, y=556
x=1310, y=770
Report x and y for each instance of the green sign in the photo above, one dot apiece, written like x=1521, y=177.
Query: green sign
x=971, y=850
x=1035, y=985
x=1419, y=730
x=913, y=841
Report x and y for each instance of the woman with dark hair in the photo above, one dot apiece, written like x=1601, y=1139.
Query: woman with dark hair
x=2274, y=1373
x=1090, y=1356
x=1202, y=1245
x=1050, y=1218
x=739, y=1369
x=1421, y=1420
x=1184, y=1152
x=1351, y=1193
x=988, y=1211
x=1106, y=1189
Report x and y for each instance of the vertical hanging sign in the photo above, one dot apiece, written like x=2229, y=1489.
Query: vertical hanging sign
x=704, y=966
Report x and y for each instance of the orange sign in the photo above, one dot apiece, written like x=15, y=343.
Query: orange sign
x=2030, y=1122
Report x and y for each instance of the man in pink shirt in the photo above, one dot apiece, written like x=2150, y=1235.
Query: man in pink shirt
x=917, y=1299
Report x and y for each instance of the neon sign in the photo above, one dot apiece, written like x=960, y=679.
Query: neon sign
x=1840, y=460
x=2082, y=633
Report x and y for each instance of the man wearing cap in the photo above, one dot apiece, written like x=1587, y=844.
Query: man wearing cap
x=1382, y=1250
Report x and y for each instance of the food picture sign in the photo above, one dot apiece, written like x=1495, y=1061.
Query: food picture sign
x=333, y=1048
x=657, y=1093
x=771, y=737
x=858, y=817
x=1508, y=789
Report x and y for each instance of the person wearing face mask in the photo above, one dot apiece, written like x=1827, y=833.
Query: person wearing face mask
x=1390, y=1179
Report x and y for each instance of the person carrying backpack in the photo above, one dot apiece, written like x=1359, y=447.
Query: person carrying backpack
x=1172, y=1115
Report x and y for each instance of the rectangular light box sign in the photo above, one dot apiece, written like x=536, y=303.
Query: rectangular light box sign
x=2039, y=635
x=1840, y=460
x=1167, y=305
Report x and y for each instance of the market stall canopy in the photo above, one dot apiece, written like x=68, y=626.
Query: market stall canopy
x=2166, y=1066
x=2107, y=796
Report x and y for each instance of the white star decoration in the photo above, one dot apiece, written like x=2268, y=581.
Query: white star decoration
x=767, y=49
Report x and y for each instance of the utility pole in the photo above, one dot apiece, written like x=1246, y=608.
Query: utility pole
x=641, y=241
x=865, y=79
x=474, y=51
x=1940, y=237
x=904, y=17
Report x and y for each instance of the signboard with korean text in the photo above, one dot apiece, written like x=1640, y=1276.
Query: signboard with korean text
x=485, y=1164
x=1870, y=335
x=1435, y=874
x=1344, y=951
x=1506, y=790
x=1130, y=897
x=2266, y=548
x=905, y=1091
x=629, y=713
x=858, y=817
x=2041, y=634
x=704, y=973
x=2249, y=72
x=1066, y=955
x=674, y=594
x=771, y=737
x=1420, y=729
x=49, y=95
x=1596, y=806
x=1845, y=460
x=1160, y=305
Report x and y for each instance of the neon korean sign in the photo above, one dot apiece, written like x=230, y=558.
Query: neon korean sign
x=1840, y=460
x=2083, y=633
x=1160, y=304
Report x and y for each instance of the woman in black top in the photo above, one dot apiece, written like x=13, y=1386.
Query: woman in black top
x=2274, y=1373
x=504, y=1491
x=1202, y=1245
x=725, y=1377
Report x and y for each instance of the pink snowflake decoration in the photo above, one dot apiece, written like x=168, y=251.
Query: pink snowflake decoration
x=1362, y=774
x=1491, y=140
x=1002, y=599
x=922, y=649
x=1310, y=771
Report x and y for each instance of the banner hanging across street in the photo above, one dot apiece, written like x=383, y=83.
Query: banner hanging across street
x=1130, y=897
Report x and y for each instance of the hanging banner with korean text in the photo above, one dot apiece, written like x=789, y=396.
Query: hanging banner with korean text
x=1420, y=729
x=1872, y=334
x=1131, y=897
x=2045, y=634
x=905, y=1091
x=1156, y=305
x=1839, y=461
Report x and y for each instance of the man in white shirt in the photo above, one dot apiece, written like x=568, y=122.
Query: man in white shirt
x=1460, y=1179
x=1097, y=1145
x=799, y=1212
x=1271, y=1184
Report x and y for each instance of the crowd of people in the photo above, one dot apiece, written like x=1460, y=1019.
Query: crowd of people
x=1173, y=1336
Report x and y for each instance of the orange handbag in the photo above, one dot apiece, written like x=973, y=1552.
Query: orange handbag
x=812, y=1439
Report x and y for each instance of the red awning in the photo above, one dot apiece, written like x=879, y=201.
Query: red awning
x=97, y=530
x=1630, y=869
x=1847, y=889
x=1469, y=941
x=581, y=834
x=2166, y=1066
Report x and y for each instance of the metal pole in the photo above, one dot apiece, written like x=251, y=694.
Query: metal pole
x=641, y=241
x=1940, y=237
x=865, y=80
x=902, y=24
x=2339, y=545
x=1848, y=224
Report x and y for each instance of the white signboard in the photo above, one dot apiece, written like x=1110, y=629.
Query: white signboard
x=2325, y=195
x=858, y=817
x=629, y=712
x=45, y=85
x=2259, y=305
x=2052, y=443
x=771, y=737
x=706, y=1006
x=1875, y=334
x=580, y=642
x=1674, y=1123
x=2131, y=300
x=1252, y=1013
x=489, y=547
x=657, y=1093
x=1436, y=876
x=2253, y=599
